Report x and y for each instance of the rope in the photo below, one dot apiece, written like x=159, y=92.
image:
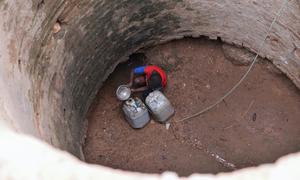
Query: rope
x=245, y=75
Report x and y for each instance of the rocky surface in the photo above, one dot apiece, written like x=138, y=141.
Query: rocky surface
x=238, y=56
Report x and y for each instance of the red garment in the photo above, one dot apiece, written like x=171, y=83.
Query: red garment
x=150, y=69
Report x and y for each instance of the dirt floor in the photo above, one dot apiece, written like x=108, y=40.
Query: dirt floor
x=258, y=123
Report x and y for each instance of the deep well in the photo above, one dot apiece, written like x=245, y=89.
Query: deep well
x=48, y=80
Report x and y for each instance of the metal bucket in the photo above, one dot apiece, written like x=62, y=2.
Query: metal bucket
x=123, y=92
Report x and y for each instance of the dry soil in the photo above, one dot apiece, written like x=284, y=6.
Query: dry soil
x=258, y=123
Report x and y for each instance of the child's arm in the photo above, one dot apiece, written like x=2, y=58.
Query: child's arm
x=131, y=79
x=139, y=89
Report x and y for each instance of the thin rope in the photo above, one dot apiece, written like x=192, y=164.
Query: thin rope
x=247, y=72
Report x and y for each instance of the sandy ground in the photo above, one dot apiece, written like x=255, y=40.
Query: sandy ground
x=258, y=123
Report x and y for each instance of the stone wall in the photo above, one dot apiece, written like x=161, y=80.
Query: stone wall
x=48, y=79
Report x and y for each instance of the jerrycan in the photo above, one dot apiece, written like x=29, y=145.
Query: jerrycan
x=159, y=106
x=136, y=112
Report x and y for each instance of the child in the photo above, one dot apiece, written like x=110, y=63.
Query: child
x=147, y=79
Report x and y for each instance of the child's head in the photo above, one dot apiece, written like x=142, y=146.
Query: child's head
x=139, y=81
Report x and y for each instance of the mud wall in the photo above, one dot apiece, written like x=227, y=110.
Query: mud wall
x=49, y=76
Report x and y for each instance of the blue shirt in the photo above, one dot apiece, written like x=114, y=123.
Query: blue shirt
x=139, y=70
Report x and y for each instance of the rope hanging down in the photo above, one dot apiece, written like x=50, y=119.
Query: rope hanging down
x=246, y=73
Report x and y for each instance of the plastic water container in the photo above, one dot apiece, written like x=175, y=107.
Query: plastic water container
x=136, y=112
x=159, y=106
